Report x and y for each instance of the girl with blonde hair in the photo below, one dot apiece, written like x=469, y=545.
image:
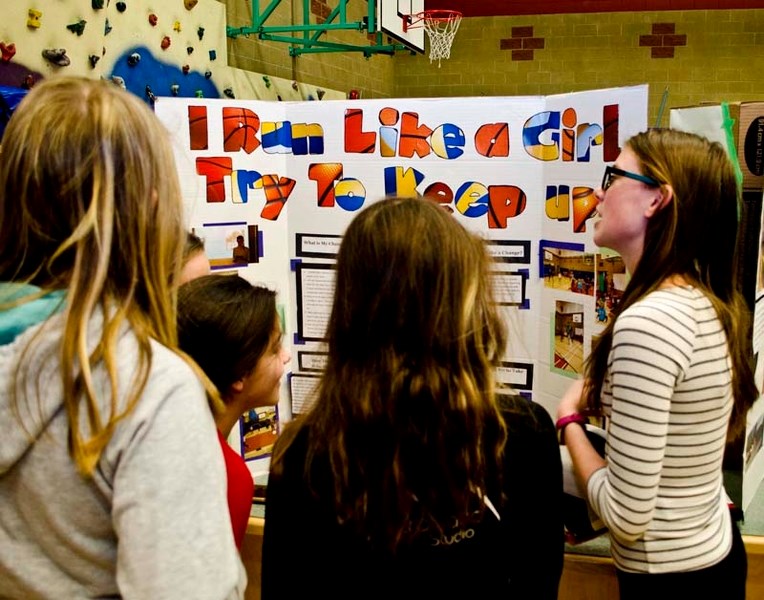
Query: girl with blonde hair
x=410, y=477
x=111, y=480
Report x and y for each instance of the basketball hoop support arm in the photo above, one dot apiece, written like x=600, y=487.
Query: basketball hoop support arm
x=310, y=41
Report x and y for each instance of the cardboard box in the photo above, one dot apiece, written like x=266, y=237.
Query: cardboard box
x=707, y=119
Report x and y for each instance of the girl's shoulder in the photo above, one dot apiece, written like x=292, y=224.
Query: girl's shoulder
x=683, y=301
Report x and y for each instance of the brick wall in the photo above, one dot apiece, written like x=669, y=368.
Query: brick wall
x=700, y=55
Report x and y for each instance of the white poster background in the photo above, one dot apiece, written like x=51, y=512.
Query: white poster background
x=302, y=217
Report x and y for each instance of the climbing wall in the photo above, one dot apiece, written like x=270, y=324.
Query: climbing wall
x=152, y=47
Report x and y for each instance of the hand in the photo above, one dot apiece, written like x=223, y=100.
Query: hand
x=572, y=401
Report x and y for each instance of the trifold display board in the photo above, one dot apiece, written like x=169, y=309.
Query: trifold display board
x=519, y=171
x=739, y=127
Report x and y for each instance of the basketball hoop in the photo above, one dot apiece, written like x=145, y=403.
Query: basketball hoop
x=441, y=27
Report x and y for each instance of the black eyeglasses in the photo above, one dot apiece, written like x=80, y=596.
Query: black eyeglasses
x=607, y=178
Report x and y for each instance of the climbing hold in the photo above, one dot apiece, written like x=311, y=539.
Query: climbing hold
x=174, y=89
x=165, y=42
x=117, y=80
x=278, y=97
x=121, y=6
x=133, y=59
x=267, y=81
x=150, y=95
x=93, y=59
x=189, y=4
x=200, y=32
x=189, y=50
x=294, y=85
x=186, y=69
x=354, y=95
x=33, y=18
x=199, y=94
x=77, y=27
x=7, y=51
x=320, y=93
x=229, y=92
x=207, y=74
x=176, y=26
x=310, y=97
x=97, y=4
x=107, y=27
x=56, y=56
x=153, y=20
x=213, y=55
x=28, y=82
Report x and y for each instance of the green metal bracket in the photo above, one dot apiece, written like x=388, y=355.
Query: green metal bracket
x=310, y=41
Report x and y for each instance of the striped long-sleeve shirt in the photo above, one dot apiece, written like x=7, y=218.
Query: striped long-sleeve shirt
x=668, y=396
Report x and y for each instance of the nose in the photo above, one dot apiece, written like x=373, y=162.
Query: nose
x=285, y=355
x=599, y=193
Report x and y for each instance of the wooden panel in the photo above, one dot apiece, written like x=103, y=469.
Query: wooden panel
x=588, y=578
x=583, y=577
x=252, y=557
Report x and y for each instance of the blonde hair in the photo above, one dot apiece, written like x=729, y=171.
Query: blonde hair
x=90, y=203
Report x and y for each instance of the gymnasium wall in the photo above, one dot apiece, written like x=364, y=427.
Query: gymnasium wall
x=700, y=55
x=152, y=47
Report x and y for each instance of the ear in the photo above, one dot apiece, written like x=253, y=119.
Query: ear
x=661, y=199
x=237, y=386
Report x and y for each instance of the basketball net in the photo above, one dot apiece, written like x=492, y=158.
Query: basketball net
x=441, y=27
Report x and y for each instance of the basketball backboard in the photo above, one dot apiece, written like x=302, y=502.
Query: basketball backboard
x=390, y=14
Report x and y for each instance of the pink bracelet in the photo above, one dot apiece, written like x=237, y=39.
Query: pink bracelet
x=563, y=422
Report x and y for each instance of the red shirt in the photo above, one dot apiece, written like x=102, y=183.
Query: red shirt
x=241, y=489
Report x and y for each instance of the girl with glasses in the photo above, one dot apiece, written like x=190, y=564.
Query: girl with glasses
x=672, y=372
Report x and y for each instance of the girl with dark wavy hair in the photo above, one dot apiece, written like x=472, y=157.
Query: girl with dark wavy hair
x=410, y=477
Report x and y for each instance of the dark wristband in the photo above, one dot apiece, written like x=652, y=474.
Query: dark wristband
x=563, y=422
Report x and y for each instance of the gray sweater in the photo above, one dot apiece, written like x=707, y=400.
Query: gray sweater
x=153, y=520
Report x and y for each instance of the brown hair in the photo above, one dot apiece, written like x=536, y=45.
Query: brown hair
x=225, y=324
x=695, y=236
x=406, y=415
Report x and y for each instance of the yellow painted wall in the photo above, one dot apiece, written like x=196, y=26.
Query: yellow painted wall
x=722, y=61
x=723, y=58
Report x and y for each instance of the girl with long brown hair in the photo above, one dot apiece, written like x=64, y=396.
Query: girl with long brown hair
x=672, y=373
x=410, y=477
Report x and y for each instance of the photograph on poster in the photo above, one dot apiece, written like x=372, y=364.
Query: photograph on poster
x=611, y=282
x=570, y=270
x=568, y=347
x=230, y=245
x=259, y=429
